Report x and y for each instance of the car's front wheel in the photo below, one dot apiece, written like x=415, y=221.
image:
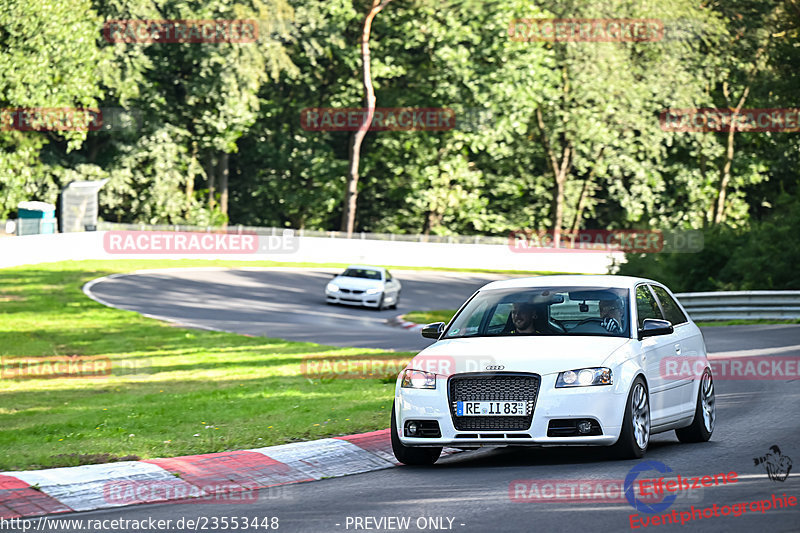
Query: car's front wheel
x=410, y=455
x=705, y=413
x=635, y=434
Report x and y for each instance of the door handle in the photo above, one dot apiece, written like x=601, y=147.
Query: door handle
x=678, y=349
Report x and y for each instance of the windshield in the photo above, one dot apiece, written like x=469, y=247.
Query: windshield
x=362, y=273
x=597, y=311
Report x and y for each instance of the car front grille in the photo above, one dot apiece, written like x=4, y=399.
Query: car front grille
x=353, y=291
x=493, y=386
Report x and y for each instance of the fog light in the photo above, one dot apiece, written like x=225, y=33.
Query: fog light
x=584, y=427
x=412, y=428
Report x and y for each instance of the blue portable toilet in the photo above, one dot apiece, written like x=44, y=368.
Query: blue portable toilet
x=35, y=218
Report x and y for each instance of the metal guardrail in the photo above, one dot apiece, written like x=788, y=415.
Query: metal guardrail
x=735, y=305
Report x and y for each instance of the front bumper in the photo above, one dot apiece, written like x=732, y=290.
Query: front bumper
x=602, y=404
x=363, y=299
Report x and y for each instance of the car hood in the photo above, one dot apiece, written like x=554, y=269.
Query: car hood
x=356, y=283
x=542, y=355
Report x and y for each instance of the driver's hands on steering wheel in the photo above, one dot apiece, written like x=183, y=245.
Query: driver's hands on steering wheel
x=612, y=325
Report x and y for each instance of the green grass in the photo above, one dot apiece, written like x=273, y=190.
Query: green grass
x=172, y=391
x=426, y=317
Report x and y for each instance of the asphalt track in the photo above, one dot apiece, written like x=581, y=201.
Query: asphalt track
x=475, y=490
x=286, y=303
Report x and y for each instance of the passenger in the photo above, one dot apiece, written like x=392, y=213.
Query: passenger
x=612, y=316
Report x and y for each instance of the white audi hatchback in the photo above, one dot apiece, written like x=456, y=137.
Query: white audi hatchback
x=556, y=360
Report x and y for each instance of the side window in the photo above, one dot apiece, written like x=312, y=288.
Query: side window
x=672, y=312
x=500, y=316
x=470, y=324
x=646, y=305
x=388, y=276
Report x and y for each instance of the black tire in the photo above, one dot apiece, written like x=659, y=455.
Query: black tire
x=380, y=303
x=409, y=455
x=396, y=301
x=627, y=446
x=702, y=427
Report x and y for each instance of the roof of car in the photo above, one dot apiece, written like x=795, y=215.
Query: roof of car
x=366, y=267
x=621, y=282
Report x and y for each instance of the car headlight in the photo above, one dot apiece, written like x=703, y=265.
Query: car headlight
x=584, y=377
x=332, y=288
x=375, y=290
x=418, y=379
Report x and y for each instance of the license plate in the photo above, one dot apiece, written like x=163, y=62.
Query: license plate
x=491, y=408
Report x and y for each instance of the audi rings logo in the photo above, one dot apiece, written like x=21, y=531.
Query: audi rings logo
x=494, y=367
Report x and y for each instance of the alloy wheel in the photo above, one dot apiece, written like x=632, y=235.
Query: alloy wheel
x=708, y=402
x=640, y=416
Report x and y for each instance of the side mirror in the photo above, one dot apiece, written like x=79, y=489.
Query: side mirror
x=654, y=326
x=433, y=331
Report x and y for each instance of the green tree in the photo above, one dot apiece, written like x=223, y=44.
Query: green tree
x=599, y=124
x=48, y=57
x=195, y=102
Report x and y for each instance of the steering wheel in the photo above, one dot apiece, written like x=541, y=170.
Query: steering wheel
x=587, y=320
x=557, y=325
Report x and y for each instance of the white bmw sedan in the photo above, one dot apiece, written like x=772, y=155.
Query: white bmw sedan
x=366, y=286
x=556, y=360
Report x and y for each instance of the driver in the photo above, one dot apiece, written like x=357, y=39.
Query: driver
x=611, y=315
x=525, y=317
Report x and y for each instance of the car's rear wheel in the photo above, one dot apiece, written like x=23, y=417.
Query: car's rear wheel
x=409, y=455
x=635, y=434
x=705, y=413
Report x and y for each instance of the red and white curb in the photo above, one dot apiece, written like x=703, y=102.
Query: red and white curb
x=400, y=322
x=227, y=477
